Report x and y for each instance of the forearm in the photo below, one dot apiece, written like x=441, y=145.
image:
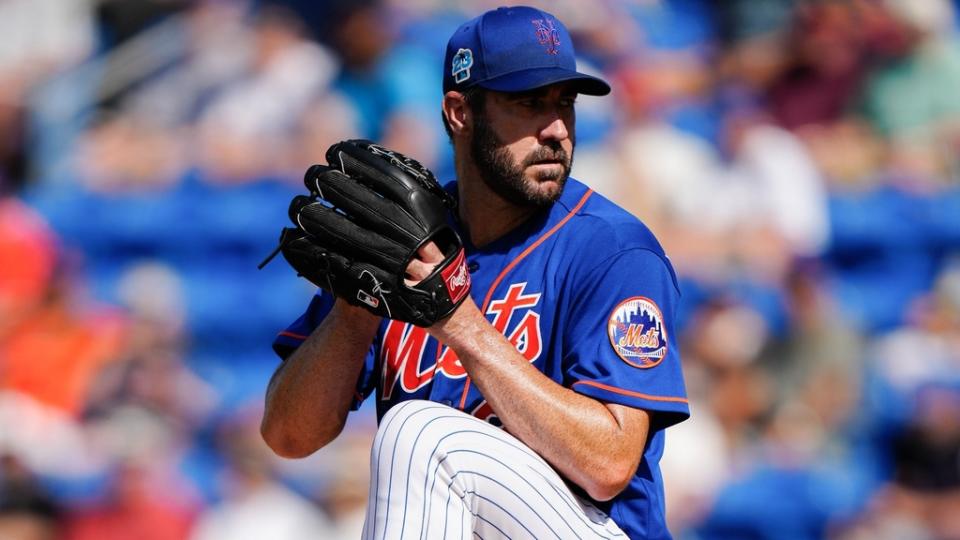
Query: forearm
x=596, y=446
x=309, y=396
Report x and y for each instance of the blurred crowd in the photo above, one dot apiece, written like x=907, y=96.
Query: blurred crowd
x=799, y=160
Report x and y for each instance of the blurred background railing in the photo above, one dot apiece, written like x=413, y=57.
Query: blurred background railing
x=797, y=158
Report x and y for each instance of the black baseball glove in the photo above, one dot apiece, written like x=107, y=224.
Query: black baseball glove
x=368, y=213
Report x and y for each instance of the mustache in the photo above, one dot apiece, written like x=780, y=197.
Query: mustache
x=547, y=153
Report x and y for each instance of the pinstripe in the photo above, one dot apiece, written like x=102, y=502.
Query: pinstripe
x=463, y=510
x=516, y=474
x=386, y=518
x=487, y=521
x=494, y=436
x=413, y=450
x=375, y=481
x=430, y=461
x=446, y=512
x=572, y=505
x=506, y=488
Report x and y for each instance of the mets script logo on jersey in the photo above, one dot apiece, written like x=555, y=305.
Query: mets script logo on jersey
x=461, y=64
x=637, y=332
x=405, y=346
x=547, y=35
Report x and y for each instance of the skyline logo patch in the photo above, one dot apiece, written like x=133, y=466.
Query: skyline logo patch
x=637, y=332
x=461, y=64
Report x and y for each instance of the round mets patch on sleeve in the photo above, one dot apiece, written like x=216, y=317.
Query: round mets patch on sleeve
x=637, y=332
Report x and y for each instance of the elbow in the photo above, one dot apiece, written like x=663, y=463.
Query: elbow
x=609, y=481
x=290, y=445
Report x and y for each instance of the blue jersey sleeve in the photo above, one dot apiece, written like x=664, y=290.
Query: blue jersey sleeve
x=288, y=340
x=620, y=343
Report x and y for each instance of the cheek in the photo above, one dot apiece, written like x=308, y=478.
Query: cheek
x=519, y=151
x=511, y=130
x=525, y=152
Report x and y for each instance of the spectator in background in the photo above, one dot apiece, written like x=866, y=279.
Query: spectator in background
x=250, y=129
x=921, y=499
x=389, y=85
x=931, y=340
x=140, y=415
x=255, y=504
x=27, y=512
x=926, y=485
x=831, y=48
x=912, y=99
x=151, y=375
x=52, y=350
x=27, y=261
x=139, y=502
x=247, y=96
x=40, y=38
x=145, y=139
x=122, y=20
x=118, y=23
x=59, y=339
x=344, y=496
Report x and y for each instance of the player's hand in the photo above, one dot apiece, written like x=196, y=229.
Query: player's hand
x=421, y=266
x=374, y=231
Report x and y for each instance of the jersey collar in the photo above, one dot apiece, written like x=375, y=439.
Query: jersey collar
x=572, y=192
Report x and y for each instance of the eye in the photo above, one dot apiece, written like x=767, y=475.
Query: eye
x=568, y=102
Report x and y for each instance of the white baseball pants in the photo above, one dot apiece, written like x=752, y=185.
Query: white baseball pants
x=439, y=473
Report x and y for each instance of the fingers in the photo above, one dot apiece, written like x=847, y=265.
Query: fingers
x=430, y=253
x=417, y=271
x=335, y=232
x=427, y=259
x=368, y=209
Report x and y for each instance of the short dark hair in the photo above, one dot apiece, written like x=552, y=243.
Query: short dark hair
x=475, y=97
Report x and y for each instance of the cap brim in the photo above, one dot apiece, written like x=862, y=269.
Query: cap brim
x=529, y=79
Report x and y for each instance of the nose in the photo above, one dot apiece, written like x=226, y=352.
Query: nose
x=555, y=130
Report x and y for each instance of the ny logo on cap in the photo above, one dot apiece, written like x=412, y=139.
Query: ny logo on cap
x=461, y=64
x=547, y=35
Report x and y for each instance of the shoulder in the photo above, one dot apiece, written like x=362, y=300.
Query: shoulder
x=600, y=238
x=601, y=226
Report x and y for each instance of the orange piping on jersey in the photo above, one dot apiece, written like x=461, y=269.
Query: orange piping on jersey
x=292, y=335
x=630, y=393
x=523, y=254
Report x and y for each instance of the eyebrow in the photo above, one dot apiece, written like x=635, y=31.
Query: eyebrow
x=539, y=93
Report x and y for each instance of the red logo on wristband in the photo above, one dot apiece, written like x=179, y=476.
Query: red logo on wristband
x=456, y=278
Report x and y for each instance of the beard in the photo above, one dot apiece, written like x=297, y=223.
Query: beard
x=506, y=179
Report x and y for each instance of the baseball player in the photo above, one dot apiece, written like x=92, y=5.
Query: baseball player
x=515, y=328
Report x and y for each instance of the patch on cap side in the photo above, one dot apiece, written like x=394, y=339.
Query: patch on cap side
x=461, y=64
x=637, y=332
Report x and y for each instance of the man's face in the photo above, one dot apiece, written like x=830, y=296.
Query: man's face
x=523, y=143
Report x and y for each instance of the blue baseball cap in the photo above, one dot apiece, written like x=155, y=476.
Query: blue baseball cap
x=512, y=49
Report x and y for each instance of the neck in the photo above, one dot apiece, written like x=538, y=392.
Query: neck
x=485, y=215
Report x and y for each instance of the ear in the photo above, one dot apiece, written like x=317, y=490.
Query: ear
x=458, y=112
